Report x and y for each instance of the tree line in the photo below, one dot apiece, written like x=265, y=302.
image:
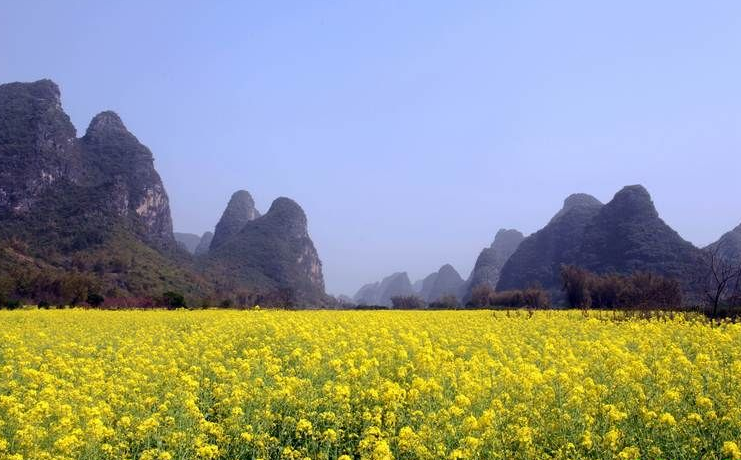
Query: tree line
x=716, y=292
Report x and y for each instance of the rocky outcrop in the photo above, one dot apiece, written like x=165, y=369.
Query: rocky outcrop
x=38, y=145
x=489, y=264
x=96, y=201
x=42, y=157
x=111, y=153
x=538, y=258
x=272, y=254
x=240, y=210
x=204, y=243
x=380, y=293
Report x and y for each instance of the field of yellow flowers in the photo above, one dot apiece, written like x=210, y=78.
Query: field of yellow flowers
x=159, y=385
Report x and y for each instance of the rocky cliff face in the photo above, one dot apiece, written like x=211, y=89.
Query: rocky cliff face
x=111, y=153
x=272, y=253
x=38, y=144
x=538, y=258
x=83, y=202
x=240, y=210
x=42, y=156
x=489, y=264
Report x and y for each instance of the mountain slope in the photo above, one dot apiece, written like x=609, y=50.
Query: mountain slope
x=425, y=285
x=490, y=261
x=628, y=235
x=188, y=241
x=204, y=243
x=447, y=282
x=538, y=258
x=730, y=245
x=623, y=236
x=380, y=293
x=271, y=254
x=240, y=210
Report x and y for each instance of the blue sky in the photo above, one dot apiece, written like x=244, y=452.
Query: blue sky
x=409, y=131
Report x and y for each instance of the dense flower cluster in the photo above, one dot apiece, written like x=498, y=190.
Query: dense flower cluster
x=374, y=385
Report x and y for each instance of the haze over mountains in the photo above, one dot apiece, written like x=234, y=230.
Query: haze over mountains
x=90, y=215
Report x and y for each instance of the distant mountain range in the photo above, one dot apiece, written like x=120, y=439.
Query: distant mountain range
x=445, y=281
x=85, y=217
x=623, y=236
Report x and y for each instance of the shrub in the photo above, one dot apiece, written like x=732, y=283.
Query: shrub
x=575, y=284
x=446, y=302
x=481, y=296
x=13, y=304
x=407, y=302
x=173, y=300
x=639, y=290
x=534, y=297
x=95, y=299
x=226, y=303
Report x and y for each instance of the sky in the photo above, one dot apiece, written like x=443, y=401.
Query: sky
x=409, y=132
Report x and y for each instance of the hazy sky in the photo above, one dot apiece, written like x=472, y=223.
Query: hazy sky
x=409, y=131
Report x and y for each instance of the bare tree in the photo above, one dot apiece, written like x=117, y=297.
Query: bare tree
x=408, y=302
x=721, y=278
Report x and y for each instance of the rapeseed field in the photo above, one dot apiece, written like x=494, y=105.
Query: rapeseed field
x=163, y=385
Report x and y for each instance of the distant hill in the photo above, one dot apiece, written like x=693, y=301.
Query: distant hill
x=424, y=286
x=445, y=282
x=380, y=293
x=489, y=264
x=627, y=235
x=538, y=258
x=270, y=253
x=623, y=236
x=367, y=294
x=90, y=215
x=188, y=241
x=204, y=244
